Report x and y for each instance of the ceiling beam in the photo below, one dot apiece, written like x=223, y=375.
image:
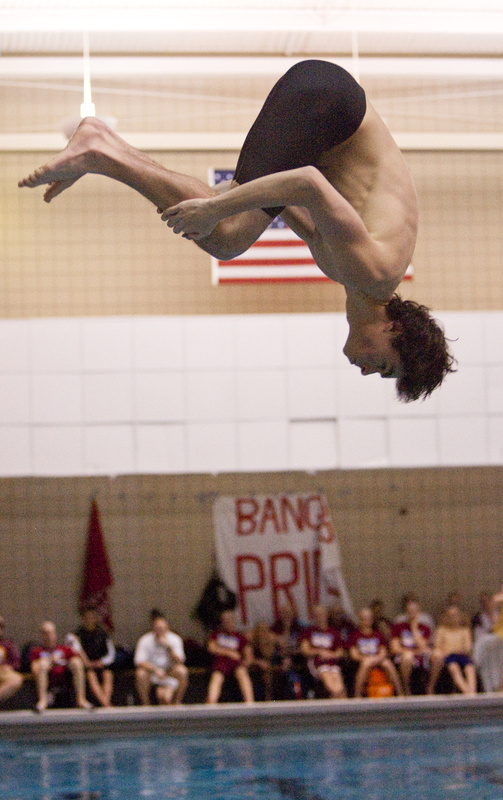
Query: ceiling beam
x=70, y=67
x=224, y=142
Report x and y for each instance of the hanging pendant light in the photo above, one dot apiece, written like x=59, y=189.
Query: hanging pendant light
x=87, y=107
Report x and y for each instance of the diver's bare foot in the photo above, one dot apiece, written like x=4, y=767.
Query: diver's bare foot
x=79, y=157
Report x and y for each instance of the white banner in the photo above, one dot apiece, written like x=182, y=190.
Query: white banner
x=273, y=549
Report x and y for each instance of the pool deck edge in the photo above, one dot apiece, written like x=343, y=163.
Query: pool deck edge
x=238, y=718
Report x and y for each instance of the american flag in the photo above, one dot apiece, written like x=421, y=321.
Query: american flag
x=278, y=255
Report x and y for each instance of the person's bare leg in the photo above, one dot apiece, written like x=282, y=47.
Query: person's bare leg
x=406, y=664
x=142, y=681
x=40, y=670
x=471, y=678
x=164, y=695
x=361, y=678
x=76, y=668
x=245, y=684
x=95, y=149
x=215, y=687
x=392, y=674
x=108, y=686
x=436, y=664
x=181, y=673
x=100, y=692
x=458, y=677
x=10, y=685
x=333, y=684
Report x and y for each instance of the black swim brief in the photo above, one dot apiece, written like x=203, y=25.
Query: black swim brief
x=313, y=107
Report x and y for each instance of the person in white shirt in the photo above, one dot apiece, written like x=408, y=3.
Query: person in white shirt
x=159, y=661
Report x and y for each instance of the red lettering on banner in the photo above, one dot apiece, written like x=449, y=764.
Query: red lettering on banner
x=285, y=515
x=313, y=515
x=269, y=514
x=248, y=587
x=311, y=579
x=285, y=586
x=246, y=521
x=326, y=533
x=308, y=582
x=304, y=573
x=297, y=514
x=317, y=575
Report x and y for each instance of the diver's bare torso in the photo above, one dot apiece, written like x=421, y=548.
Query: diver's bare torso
x=370, y=172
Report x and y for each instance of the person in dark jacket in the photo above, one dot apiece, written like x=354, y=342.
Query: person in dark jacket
x=98, y=654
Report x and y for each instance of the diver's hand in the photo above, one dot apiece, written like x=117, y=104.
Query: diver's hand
x=192, y=218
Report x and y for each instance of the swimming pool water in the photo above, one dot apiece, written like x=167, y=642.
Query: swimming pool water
x=375, y=764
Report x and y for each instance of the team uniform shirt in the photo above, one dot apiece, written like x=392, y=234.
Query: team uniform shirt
x=230, y=641
x=60, y=655
x=9, y=655
x=403, y=632
x=367, y=644
x=328, y=639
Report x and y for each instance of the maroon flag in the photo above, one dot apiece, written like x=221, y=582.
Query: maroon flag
x=97, y=576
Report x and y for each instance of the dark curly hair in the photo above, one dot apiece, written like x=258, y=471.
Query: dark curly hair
x=422, y=346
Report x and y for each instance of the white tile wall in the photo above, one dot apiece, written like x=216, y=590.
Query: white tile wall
x=107, y=344
x=15, y=398
x=363, y=443
x=260, y=341
x=263, y=446
x=15, y=447
x=108, y=397
x=159, y=396
x=58, y=450
x=14, y=345
x=313, y=445
x=463, y=440
x=161, y=449
x=312, y=394
x=109, y=450
x=211, y=447
x=495, y=388
x=465, y=331
x=463, y=392
x=493, y=333
x=495, y=425
x=210, y=343
x=211, y=396
x=56, y=398
x=361, y=396
x=158, y=343
x=261, y=394
x=413, y=442
x=310, y=340
x=226, y=393
x=56, y=345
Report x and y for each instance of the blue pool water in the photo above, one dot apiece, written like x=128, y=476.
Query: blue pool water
x=375, y=764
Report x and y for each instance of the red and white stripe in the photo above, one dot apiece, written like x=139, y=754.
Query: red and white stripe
x=279, y=255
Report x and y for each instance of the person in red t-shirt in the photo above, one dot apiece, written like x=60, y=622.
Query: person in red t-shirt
x=232, y=655
x=367, y=646
x=411, y=646
x=321, y=645
x=10, y=678
x=50, y=663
